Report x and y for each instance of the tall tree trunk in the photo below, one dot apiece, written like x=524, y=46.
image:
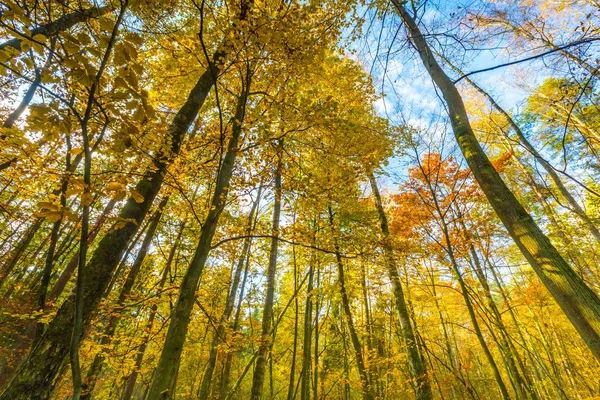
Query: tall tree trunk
x=139, y=358
x=78, y=319
x=316, y=353
x=266, y=339
x=224, y=385
x=579, y=303
x=224, y=389
x=418, y=370
x=521, y=383
x=291, y=385
x=306, y=346
x=107, y=336
x=166, y=370
x=204, y=390
x=465, y=294
x=360, y=364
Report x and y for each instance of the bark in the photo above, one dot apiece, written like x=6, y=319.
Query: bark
x=139, y=358
x=291, y=385
x=165, y=374
x=266, y=338
x=579, y=303
x=97, y=364
x=204, y=390
x=418, y=369
x=360, y=364
x=65, y=276
x=306, y=346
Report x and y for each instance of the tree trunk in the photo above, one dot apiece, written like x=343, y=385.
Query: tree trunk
x=418, y=370
x=165, y=374
x=19, y=249
x=224, y=385
x=306, y=346
x=291, y=384
x=131, y=380
x=266, y=340
x=360, y=364
x=465, y=294
x=204, y=390
x=579, y=303
x=96, y=367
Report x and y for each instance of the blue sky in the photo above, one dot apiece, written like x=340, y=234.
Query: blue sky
x=408, y=93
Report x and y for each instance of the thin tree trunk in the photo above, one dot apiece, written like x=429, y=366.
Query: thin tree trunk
x=236, y=321
x=29, y=234
x=49, y=262
x=139, y=358
x=266, y=339
x=204, y=390
x=19, y=249
x=418, y=370
x=360, y=364
x=579, y=303
x=521, y=383
x=574, y=254
x=14, y=116
x=291, y=384
x=165, y=374
x=85, y=201
x=473, y=317
x=306, y=346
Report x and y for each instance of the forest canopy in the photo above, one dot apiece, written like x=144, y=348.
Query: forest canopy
x=284, y=199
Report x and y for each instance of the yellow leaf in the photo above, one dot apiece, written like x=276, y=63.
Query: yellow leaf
x=114, y=187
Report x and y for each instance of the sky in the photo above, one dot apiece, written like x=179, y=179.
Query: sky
x=407, y=92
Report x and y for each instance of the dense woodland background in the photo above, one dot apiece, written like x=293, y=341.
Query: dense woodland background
x=283, y=199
